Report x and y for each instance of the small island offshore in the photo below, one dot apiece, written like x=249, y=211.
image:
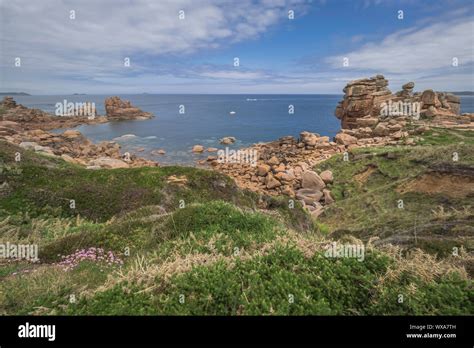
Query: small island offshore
x=377, y=220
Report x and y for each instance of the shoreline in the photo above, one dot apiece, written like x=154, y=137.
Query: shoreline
x=281, y=167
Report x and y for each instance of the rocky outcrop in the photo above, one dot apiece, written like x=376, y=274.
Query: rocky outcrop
x=227, y=140
x=9, y=103
x=362, y=99
x=118, y=109
x=284, y=167
x=198, y=148
x=73, y=147
x=107, y=162
x=28, y=118
x=368, y=102
x=30, y=132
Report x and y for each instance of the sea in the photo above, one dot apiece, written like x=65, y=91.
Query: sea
x=182, y=121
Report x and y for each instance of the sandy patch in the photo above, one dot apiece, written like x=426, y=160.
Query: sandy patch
x=455, y=186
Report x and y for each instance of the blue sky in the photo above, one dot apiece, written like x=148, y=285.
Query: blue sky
x=60, y=55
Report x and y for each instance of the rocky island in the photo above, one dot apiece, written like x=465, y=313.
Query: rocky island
x=118, y=109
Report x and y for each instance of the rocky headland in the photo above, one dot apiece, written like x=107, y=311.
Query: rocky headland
x=30, y=119
x=369, y=102
x=29, y=129
x=370, y=114
x=118, y=109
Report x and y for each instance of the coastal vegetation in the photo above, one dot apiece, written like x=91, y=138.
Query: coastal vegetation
x=203, y=246
x=376, y=221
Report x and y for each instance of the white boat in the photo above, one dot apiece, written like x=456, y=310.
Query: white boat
x=232, y=112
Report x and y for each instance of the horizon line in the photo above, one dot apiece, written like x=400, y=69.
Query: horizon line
x=24, y=94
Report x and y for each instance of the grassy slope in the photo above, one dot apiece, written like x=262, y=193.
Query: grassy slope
x=219, y=254
x=367, y=191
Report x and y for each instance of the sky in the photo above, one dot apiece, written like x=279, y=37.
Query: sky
x=191, y=46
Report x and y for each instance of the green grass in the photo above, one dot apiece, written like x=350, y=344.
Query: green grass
x=444, y=136
x=285, y=282
x=371, y=207
x=203, y=221
x=222, y=253
x=47, y=186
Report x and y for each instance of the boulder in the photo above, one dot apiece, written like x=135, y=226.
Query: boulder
x=158, y=152
x=263, y=169
x=285, y=176
x=71, y=134
x=327, y=176
x=271, y=182
x=407, y=90
x=280, y=168
x=328, y=199
x=227, y=140
x=28, y=145
x=430, y=112
x=198, y=148
x=309, y=139
x=381, y=130
x=408, y=86
x=43, y=149
x=454, y=103
x=274, y=161
x=428, y=98
x=311, y=180
x=107, y=162
x=345, y=139
x=309, y=196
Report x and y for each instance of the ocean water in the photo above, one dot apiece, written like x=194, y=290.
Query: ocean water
x=206, y=119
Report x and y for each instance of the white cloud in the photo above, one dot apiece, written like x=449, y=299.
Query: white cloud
x=53, y=46
x=86, y=55
x=415, y=50
x=129, y=26
x=229, y=74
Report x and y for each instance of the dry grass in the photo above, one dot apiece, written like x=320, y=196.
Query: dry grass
x=151, y=273
x=421, y=265
x=38, y=230
x=8, y=232
x=441, y=214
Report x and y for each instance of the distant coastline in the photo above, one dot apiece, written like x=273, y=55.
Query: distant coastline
x=463, y=93
x=468, y=93
x=14, y=93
